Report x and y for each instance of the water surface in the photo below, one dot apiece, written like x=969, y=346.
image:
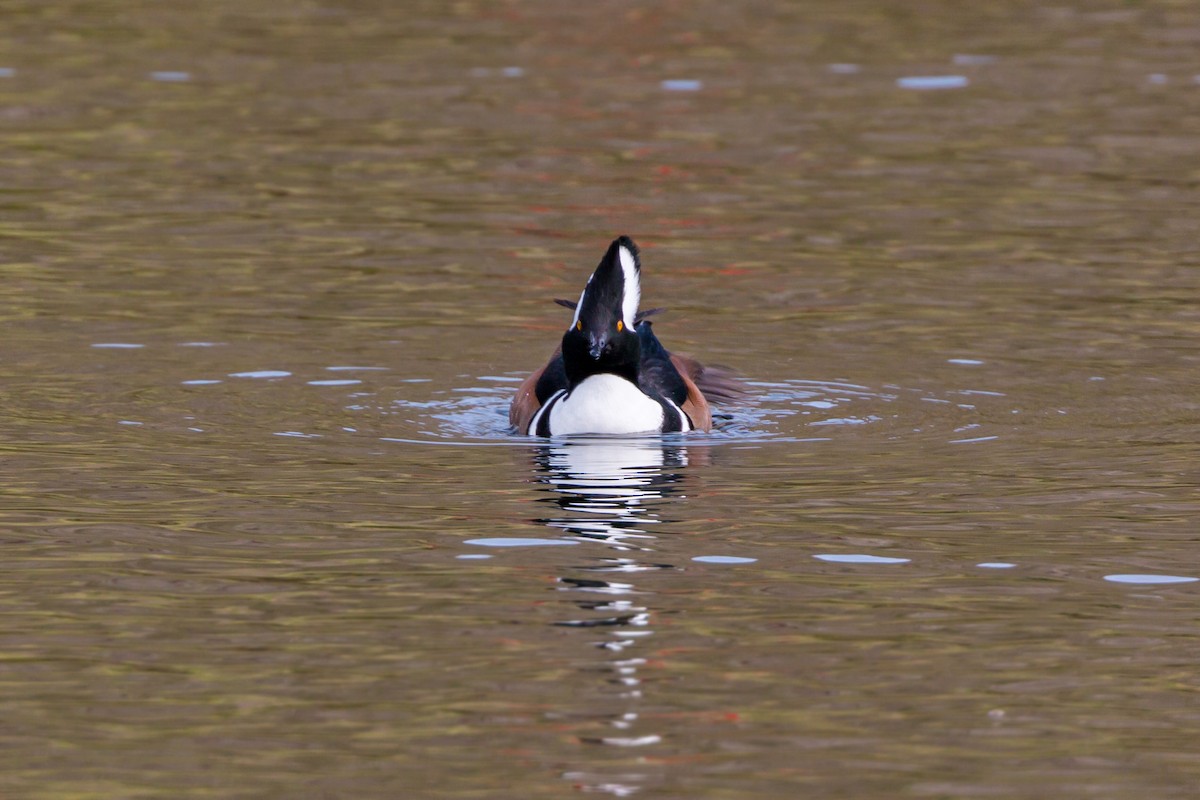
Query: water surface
x=273, y=271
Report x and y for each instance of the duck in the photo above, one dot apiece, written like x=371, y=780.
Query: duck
x=610, y=374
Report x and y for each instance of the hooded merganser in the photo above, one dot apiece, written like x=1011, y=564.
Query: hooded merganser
x=611, y=374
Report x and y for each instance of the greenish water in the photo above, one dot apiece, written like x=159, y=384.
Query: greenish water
x=278, y=542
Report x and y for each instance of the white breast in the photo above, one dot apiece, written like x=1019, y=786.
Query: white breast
x=605, y=404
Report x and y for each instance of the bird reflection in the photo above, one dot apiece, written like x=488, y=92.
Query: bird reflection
x=609, y=488
x=613, y=491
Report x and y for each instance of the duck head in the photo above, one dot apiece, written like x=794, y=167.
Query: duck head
x=601, y=337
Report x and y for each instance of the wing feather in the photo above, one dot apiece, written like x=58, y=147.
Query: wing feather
x=536, y=390
x=705, y=384
x=525, y=404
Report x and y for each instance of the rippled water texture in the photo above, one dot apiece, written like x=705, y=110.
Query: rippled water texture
x=272, y=272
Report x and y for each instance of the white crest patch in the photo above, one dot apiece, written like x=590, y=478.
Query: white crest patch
x=579, y=305
x=633, y=287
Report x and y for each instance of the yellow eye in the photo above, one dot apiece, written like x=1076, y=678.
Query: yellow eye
x=578, y=324
x=620, y=326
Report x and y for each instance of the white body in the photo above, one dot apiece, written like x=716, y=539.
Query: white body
x=602, y=403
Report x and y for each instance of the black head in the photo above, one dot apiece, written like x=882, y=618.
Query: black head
x=601, y=337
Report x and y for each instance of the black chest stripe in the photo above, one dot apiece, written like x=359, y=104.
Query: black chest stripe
x=541, y=422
